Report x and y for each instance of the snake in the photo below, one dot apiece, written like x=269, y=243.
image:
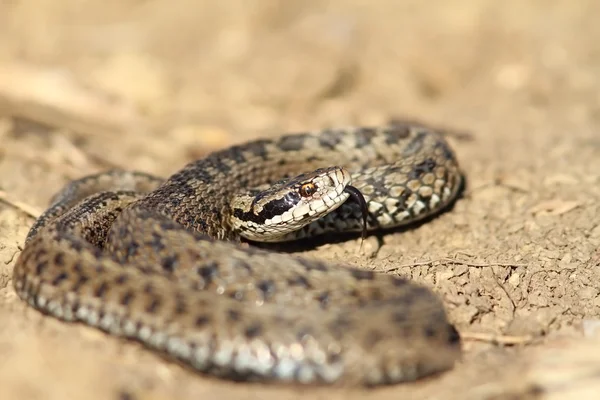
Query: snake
x=177, y=264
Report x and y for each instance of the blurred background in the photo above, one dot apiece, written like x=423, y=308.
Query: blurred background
x=195, y=75
x=87, y=85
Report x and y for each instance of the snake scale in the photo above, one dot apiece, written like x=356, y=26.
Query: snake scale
x=160, y=261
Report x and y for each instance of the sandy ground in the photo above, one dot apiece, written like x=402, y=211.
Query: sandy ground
x=89, y=84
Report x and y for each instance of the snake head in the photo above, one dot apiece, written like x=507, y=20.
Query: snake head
x=288, y=205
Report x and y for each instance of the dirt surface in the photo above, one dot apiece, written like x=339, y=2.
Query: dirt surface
x=89, y=84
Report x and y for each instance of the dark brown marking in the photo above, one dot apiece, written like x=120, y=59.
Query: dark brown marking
x=334, y=358
x=101, y=290
x=363, y=137
x=59, y=259
x=330, y=139
x=299, y=281
x=169, y=263
x=399, y=282
x=243, y=265
x=267, y=287
x=208, y=272
x=157, y=242
x=254, y=330
x=77, y=246
x=233, y=315
x=399, y=317
x=429, y=331
x=40, y=267
x=340, y=326
x=59, y=278
x=258, y=148
x=236, y=154
x=446, y=150
x=154, y=305
x=323, y=299
x=127, y=297
x=125, y=395
x=310, y=265
x=148, y=288
x=416, y=144
x=395, y=133
x=361, y=274
x=453, y=335
x=132, y=249
x=292, y=142
x=81, y=280
x=202, y=320
x=376, y=294
x=425, y=166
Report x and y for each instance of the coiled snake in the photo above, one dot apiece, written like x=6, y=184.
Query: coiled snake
x=156, y=260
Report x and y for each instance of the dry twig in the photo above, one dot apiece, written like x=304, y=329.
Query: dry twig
x=498, y=339
x=27, y=209
x=455, y=261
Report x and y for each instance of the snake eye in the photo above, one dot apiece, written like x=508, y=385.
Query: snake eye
x=308, y=189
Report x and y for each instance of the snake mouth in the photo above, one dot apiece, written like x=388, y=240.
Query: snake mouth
x=362, y=203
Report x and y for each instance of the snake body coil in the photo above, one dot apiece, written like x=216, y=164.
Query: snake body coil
x=156, y=261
